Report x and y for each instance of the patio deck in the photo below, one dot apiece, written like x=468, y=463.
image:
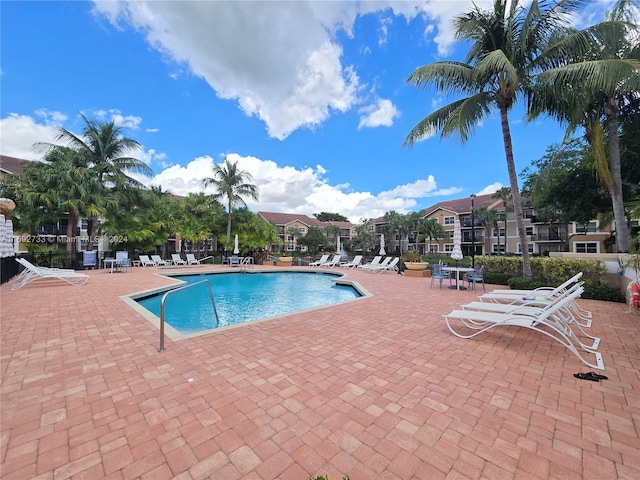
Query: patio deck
x=375, y=388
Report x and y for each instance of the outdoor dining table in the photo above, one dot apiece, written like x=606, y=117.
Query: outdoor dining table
x=458, y=270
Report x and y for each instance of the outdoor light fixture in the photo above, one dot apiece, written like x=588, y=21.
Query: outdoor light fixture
x=473, y=232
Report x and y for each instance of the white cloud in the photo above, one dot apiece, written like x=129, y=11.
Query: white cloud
x=493, y=188
x=129, y=122
x=380, y=114
x=292, y=190
x=279, y=61
x=19, y=133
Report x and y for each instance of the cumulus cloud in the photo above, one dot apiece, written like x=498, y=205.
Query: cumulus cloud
x=19, y=133
x=380, y=114
x=493, y=188
x=280, y=62
x=129, y=122
x=294, y=190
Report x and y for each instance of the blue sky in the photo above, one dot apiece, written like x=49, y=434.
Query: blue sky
x=309, y=97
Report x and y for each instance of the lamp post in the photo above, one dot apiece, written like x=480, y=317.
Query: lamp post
x=400, y=252
x=473, y=232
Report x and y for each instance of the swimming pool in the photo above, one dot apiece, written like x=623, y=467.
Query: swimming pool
x=244, y=297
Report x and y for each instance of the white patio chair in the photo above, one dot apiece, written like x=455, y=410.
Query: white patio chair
x=34, y=273
x=322, y=260
x=158, y=260
x=334, y=262
x=176, y=259
x=145, y=261
x=376, y=261
x=552, y=321
x=357, y=260
x=391, y=266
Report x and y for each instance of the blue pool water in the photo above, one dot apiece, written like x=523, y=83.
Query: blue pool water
x=242, y=297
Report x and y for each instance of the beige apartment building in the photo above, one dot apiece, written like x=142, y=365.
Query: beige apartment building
x=543, y=237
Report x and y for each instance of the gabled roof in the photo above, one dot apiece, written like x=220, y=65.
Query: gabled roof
x=287, y=218
x=463, y=205
x=12, y=165
x=347, y=225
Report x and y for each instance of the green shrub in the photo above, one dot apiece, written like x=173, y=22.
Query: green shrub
x=605, y=293
x=519, y=283
x=496, y=278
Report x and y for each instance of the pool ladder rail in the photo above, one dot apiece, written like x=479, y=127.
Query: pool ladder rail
x=246, y=263
x=184, y=287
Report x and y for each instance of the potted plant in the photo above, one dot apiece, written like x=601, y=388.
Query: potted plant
x=412, y=261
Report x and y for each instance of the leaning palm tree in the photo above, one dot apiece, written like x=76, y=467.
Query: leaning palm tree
x=232, y=183
x=597, y=72
x=497, y=71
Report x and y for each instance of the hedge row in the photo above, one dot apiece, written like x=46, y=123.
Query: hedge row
x=550, y=272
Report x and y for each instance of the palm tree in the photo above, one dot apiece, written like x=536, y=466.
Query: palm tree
x=497, y=71
x=504, y=195
x=61, y=185
x=596, y=73
x=433, y=230
x=489, y=219
x=232, y=183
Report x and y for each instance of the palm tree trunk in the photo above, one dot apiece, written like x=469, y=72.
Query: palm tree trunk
x=623, y=235
x=515, y=193
x=226, y=243
x=72, y=221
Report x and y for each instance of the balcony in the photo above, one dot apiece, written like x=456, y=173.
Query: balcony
x=466, y=223
x=548, y=237
x=466, y=238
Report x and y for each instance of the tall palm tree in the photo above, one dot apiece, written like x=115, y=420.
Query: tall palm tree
x=231, y=183
x=489, y=219
x=504, y=195
x=433, y=230
x=497, y=71
x=597, y=71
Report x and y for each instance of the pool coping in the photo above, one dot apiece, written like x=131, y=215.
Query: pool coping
x=175, y=335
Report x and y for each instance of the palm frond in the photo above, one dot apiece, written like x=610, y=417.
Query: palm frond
x=445, y=77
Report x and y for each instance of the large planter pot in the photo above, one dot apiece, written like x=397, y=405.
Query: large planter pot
x=416, y=265
x=285, y=261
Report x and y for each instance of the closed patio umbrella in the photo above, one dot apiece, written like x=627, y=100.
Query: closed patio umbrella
x=236, y=251
x=382, y=251
x=338, y=247
x=456, y=253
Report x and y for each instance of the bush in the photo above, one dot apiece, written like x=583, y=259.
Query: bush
x=605, y=293
x=496, y=278
x=519, y=283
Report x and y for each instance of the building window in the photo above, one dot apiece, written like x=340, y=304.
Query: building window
x=448, y=247
x=586, y=247
x=529, y=247
x=494, y=232
x=449, y=220
x=494, y=248
x=291, y=248
x=433, y=248
x=302, y=229
x=290, y=238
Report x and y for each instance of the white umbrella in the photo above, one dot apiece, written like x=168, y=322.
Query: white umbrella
x=456, y=253
x=338, y=248
x=236, y=251
x=382, y=251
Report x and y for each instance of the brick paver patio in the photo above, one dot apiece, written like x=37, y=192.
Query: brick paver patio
x=375, y=388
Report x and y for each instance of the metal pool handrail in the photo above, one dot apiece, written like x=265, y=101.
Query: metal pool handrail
x=164, y=297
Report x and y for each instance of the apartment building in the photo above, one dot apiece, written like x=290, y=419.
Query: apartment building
x=543, y=236
x=289, y=224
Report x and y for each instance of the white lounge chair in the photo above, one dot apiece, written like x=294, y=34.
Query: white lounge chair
x=323, y=259
x=391, y=266
x=375, y=261
x=541, y=291
x=192, y=260
x=541, y=294
x=33, y=273
x=357, y=260
x=177, y=259
x=145, y=261
x=551, y=321
x=334, y=262
x=158, y=260
x=373, y=266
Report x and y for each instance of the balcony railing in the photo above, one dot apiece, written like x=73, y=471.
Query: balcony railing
x=548, y=237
